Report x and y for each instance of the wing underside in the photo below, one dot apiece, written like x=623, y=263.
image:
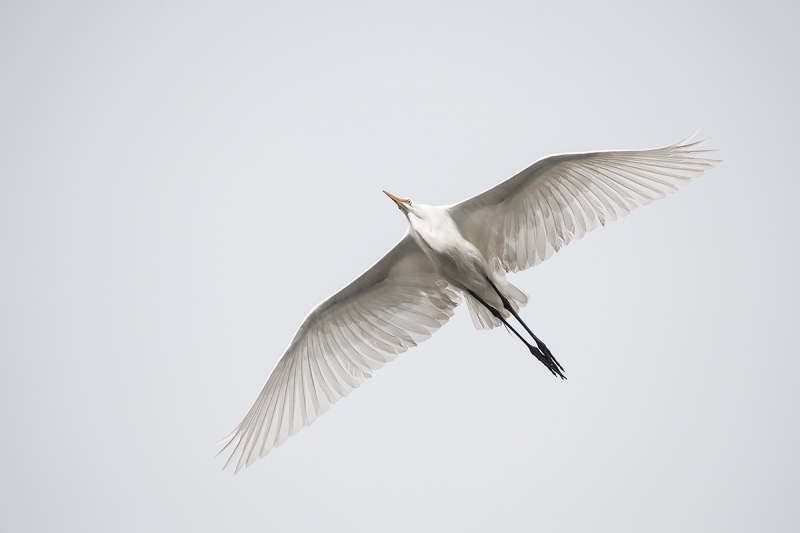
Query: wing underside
x=560, y=198
x=393, y=306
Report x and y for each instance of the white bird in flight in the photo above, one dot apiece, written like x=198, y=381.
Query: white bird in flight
x=461, y=250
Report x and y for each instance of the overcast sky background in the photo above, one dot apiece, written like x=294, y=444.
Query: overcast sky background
x=180, y=182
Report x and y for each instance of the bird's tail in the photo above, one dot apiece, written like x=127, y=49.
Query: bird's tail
x=515, y=295
x=482, y=318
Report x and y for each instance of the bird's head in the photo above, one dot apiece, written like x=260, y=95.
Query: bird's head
x=404, y=204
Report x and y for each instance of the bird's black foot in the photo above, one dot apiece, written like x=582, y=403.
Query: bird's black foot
x=547, y=359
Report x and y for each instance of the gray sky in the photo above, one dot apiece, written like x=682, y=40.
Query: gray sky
x=180, y=182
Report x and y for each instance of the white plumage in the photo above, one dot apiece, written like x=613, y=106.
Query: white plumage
x=447, y=252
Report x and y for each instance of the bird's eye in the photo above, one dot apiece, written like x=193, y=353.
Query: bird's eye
x=407, y=201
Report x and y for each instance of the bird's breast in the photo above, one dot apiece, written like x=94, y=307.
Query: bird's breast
x=457, y=260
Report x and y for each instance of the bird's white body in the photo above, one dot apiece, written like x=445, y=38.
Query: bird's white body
x=448, y=253
x=456, y=259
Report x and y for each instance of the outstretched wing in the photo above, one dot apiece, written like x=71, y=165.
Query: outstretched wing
x=528, y=217
x=391, y=307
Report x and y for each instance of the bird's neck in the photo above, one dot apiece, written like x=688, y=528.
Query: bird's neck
x=435, y=228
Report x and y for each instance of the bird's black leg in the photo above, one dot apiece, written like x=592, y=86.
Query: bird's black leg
x=546, y=360
x=507, y=305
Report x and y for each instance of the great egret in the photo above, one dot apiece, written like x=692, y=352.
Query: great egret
x=450, y=251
